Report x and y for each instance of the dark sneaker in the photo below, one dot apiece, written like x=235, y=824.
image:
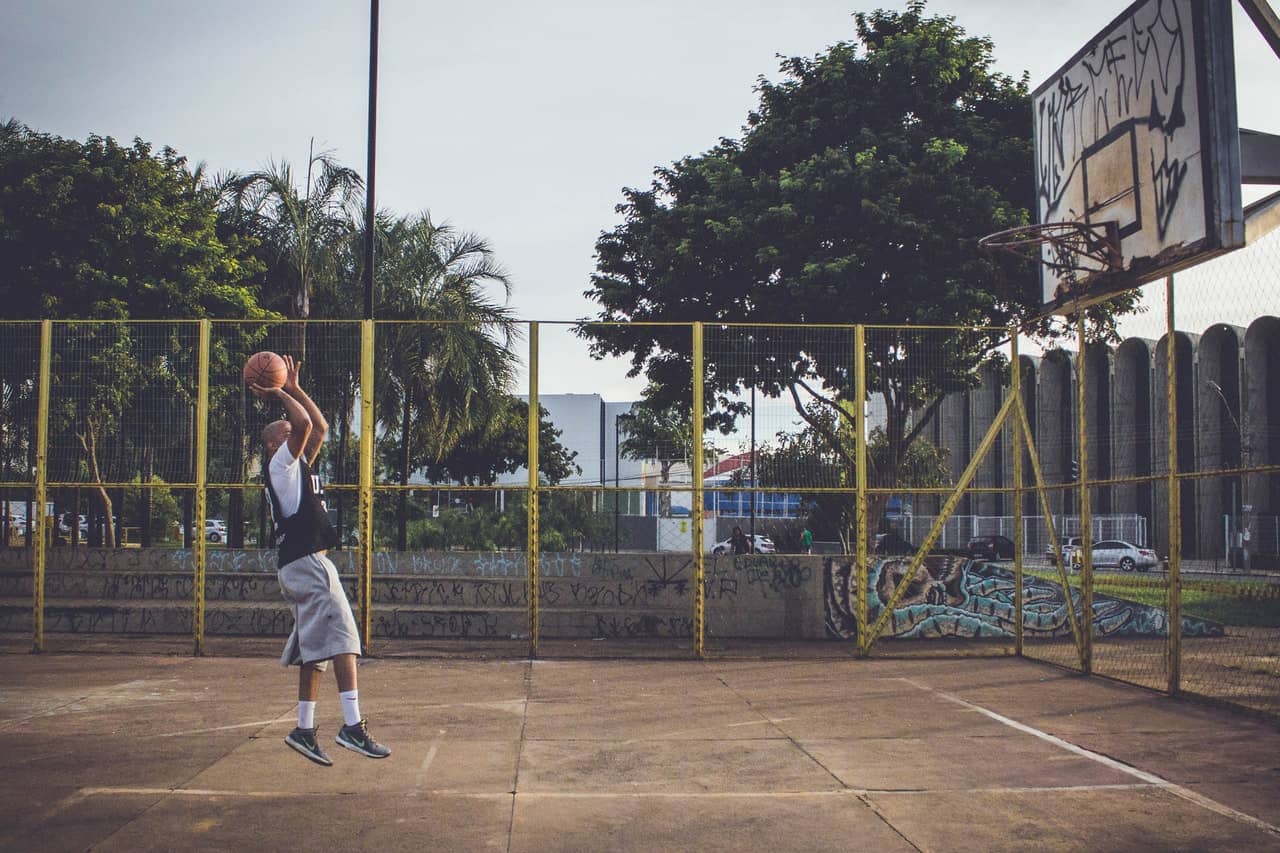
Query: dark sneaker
x=304, y=740
x=357, y=739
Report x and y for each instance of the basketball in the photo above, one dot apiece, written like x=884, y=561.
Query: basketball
x=266, y=369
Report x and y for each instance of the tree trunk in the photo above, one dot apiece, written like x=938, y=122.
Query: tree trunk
x=402, y=499
x=148, y=469
x=344, y=427
x=89, y=442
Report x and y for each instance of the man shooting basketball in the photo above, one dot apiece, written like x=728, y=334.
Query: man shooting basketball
x=324, y=628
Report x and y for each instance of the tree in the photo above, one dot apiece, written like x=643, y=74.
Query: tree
x=659, y=431
x=500, y=445
x=823, y=456
x=447, y=370
x=300, y=232
x=97, y=230
x=857, y=194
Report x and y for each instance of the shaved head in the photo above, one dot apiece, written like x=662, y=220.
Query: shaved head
x=275, y=434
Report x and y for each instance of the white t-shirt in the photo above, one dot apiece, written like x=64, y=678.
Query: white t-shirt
x=286, y=479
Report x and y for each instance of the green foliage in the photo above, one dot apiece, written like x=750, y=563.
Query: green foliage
x=166, y=512
x=826, y=454
x=856, y=194
x=98, y=230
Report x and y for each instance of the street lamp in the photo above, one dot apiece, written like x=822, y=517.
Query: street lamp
x=616, y=494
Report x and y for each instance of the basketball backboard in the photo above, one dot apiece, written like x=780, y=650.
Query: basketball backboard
x=1139, y=129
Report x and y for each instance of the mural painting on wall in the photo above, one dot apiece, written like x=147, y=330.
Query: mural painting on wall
x=952, y=596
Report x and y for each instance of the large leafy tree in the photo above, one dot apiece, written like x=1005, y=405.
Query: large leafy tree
x=856, y=194
x=98, y=230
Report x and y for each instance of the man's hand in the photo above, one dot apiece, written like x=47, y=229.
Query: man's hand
x=291, y=376
x=263, y=393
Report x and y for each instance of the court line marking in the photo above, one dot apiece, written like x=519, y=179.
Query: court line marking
x=1150, y=778
x=604, y=795
x=431, y=756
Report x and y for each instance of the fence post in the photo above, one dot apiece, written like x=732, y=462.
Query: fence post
x=364, y=584
x=199, y=546
x=1019, y=540
x=1175, y=500
x=1086, y=507
x=699, y=563
x=860, y=567
x=39, y=541
x=532, y=544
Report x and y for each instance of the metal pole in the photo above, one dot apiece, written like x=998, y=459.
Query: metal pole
x=1018, y=535
x=699, y=563
x=199, y=548
x=532, y=544
x=370, y=205
x=753, y=468
x=1086, y=508
x=860, y=567
x=616, y=493
x=35, y=515
x=364, y=590
x=1174, y=663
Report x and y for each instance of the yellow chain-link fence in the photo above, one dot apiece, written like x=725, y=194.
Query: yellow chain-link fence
x=830, y=490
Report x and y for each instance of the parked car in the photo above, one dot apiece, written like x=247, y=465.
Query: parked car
x=763, y=545
x=215, y=530
x=891, y=543
x=990, y=547
x=1116, y=553
x=1070, y=544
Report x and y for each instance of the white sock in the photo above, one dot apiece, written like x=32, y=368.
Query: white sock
x=306, y=715
x=350, y=706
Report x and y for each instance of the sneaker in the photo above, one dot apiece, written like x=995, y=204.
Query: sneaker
x=304, y=740
x=357, y=739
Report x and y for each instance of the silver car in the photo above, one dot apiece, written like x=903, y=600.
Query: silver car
x=1115, y=553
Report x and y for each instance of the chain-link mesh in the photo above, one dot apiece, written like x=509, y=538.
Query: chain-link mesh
x=617, y=495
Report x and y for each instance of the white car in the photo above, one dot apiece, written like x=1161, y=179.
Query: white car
x=763, y=545
x=1116, y=553
x=215, y=530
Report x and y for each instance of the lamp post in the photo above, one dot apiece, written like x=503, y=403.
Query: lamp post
x=370, y=205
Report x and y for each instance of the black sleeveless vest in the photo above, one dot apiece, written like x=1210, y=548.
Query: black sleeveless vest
x=308, y=530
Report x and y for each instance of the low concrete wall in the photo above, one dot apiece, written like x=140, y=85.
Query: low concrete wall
x=428, y=594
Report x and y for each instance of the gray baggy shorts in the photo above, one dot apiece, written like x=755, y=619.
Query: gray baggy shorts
x=323, y=625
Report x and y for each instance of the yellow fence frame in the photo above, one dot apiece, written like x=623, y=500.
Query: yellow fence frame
x=1013, y=412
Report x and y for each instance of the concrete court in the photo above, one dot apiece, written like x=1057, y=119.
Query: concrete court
x=152, y=752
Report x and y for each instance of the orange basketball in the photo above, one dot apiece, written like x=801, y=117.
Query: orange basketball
x=266, y=369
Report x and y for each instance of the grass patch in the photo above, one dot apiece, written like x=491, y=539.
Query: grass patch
x=1244, y=605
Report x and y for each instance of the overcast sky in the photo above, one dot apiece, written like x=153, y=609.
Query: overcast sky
x=520, y=121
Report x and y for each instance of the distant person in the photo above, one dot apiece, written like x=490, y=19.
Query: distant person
x=806, y=541
x=739, y=542
x=323, y=627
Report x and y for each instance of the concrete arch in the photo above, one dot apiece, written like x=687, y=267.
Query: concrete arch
x=1131, y=408
x=984, y=405
x=1261, y=444
x=1184, y=382
x=1098, y=360
x=1218, y=438
x=1055, y=426
x=1030, y=368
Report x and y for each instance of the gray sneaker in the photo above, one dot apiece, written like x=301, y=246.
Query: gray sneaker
x=357, y=739
x=304, y=741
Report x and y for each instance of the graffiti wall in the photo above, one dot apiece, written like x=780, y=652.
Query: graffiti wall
x=950, y=596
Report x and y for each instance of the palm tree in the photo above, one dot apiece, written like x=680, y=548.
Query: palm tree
x=440, y=379
x=304, y=231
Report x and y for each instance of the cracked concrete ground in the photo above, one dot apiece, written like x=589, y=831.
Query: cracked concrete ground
x=153, y=752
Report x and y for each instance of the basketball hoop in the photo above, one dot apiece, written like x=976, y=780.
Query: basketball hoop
x=1074, y=247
